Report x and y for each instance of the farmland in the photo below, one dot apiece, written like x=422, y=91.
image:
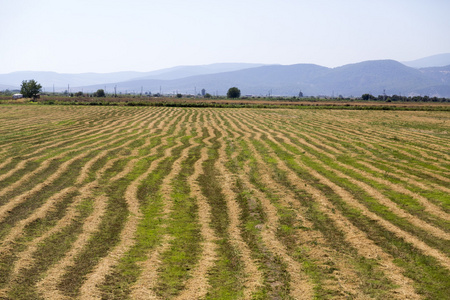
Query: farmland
x=222, y=203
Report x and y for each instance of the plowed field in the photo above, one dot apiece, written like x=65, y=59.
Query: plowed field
x=190, y=203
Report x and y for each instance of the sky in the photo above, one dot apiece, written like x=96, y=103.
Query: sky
x=78, y=36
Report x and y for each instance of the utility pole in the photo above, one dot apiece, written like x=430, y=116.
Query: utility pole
x=115, y=91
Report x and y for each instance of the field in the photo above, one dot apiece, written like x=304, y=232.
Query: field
x=222, y=203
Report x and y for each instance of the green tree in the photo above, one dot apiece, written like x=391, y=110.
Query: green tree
x=233, y=92
x=30, y=89
x=100, y=93
x=367, y=97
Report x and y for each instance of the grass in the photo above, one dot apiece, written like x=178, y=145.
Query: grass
x=226, y=276
x=412, y=259
x=305, y=165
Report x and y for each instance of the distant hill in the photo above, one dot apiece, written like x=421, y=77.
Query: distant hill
x=61, y=81
x=373, y=77
x=187, y=71
x=7, y=87
x=439, y=74
x=439, y=60
x=48, y=79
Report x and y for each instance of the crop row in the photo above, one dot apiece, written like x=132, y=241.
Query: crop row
x=190, y=203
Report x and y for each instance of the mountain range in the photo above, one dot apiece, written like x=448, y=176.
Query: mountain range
x=428, y=76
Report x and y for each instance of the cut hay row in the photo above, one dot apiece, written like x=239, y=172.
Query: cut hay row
x=348, y=287
x=299, y=284
x=6, y=192
x=44, y=132
x=78, y=261
x=228, y=188
x=429, y=207
x=186, y=203
x=432, y=251
x=196, y=287
x=110, y=145
x=127, y=239
x=389, y=146
x=381, y=174
x=348, y=196
x=33, y=156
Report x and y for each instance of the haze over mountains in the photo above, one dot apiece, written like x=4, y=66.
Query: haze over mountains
x=428, y=76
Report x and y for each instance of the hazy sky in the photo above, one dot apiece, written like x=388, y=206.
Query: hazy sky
x=75, y=36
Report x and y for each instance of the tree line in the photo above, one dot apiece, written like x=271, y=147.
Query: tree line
x=397, y=98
